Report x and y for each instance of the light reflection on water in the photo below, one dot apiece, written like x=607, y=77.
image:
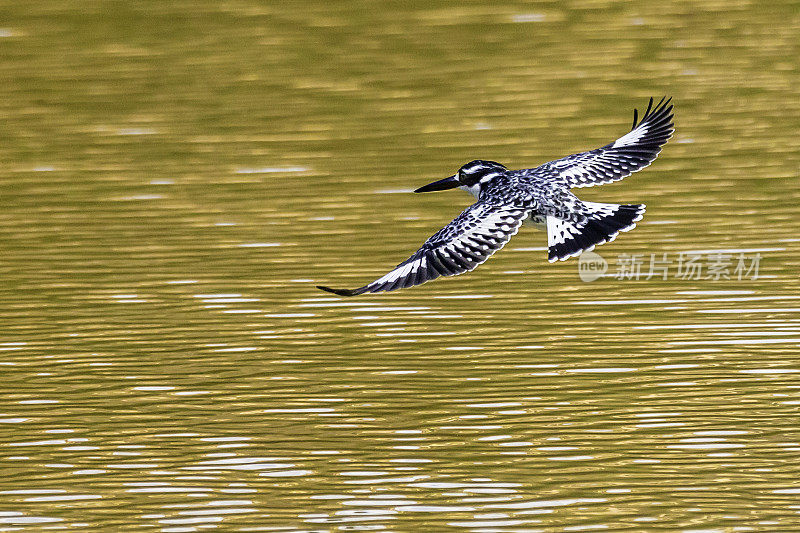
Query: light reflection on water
x=175, y=186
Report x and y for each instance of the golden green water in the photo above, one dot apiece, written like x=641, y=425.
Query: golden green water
x=177, y=176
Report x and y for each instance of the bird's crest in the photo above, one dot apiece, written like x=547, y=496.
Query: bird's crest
x=479, y=170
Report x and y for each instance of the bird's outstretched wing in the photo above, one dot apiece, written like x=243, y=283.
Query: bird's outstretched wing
x=630, y=153
x=459, y=247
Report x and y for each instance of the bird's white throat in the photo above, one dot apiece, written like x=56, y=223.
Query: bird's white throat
x=474, y=190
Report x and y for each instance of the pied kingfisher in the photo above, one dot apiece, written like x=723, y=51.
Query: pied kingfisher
x=535, y=196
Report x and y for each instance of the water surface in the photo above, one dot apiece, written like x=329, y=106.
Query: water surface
x=176, y=177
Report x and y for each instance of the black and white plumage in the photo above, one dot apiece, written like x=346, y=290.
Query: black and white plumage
x=537, y=196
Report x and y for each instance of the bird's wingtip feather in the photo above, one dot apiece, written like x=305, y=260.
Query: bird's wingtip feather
x=339, y=292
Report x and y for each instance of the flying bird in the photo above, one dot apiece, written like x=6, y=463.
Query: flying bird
x=540, y=197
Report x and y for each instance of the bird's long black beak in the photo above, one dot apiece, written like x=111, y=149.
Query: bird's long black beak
x=441, y=185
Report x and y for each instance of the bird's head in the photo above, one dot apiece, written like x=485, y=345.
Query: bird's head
x=470, y=177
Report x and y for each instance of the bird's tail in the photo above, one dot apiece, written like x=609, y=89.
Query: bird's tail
x=604, y=222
